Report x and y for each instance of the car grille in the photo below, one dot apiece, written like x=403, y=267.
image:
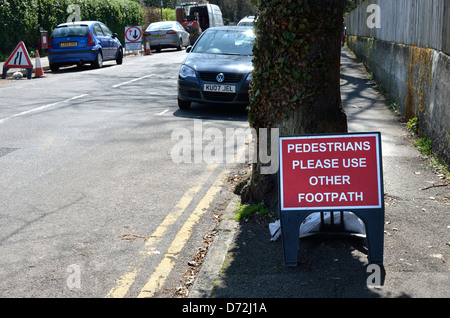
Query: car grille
x=194, y=94
x=219, y=97
x=229, y=77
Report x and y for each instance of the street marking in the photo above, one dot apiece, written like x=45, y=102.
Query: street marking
x=162, y=113
x=131, y=81
x=166, y=265
x=41, y=108
x=126, y=281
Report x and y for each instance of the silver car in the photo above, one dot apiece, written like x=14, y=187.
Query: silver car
x=166, y=34
x=247, y=21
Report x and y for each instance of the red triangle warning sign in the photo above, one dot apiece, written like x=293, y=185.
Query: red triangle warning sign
x=19, y=58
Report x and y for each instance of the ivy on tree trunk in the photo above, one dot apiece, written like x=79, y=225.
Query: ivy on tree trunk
x=296, y=77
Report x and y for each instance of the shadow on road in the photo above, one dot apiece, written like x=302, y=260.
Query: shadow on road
x=214, y=112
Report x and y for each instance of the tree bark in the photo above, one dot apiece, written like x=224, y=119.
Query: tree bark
x=296, y=78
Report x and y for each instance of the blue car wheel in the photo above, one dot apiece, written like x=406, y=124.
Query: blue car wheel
x=119, y=58
x=98, y=62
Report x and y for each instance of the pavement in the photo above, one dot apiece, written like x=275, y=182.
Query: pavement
x=243, y=263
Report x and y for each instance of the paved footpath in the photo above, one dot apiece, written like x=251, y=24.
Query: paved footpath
x=242, y=261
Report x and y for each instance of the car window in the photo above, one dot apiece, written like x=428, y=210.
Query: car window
x=98, y=30
x=106, y=30
x=159, y=26
x=72, y=30
x=226, y=42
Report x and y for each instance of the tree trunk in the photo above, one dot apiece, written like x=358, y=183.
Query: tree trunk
x=296, y=77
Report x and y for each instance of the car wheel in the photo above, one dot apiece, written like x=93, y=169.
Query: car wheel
x=180, y=45
x=54, y=67
x=119, y=59
x=98, y=63
x=182, y=104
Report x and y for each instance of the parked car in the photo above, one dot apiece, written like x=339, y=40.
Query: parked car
x=167, y=34
x=83, y=42
x=218, y=68
x=247, y=21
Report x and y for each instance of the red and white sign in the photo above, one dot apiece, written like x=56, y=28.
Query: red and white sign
x=331, y=172
x=19, y=58
x=133, y=34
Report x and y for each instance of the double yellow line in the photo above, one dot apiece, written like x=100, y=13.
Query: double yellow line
x=166, y=265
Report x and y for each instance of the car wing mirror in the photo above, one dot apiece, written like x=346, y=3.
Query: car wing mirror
x=189, y=48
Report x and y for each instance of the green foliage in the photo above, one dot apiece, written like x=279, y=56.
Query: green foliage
x=413, y=126
x=393, y=105
x=350, y=5
x=169, y=14
x=424, y=145
x=19, y=23
x=157, y=3
x=22, y=19
x=246, y=210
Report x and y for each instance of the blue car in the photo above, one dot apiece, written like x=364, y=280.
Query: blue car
x=83, y=42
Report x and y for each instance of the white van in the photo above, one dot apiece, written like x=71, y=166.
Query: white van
x=214, y=16
x=196, y=18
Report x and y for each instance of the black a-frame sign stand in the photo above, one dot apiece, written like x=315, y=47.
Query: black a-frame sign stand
x=291, y=218
x=373, y=220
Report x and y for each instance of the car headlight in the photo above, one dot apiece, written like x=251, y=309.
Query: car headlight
x=186, y=71
x=249, y=77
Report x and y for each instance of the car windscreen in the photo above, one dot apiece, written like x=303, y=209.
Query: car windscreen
x=160, y=26
x=70, y=30
x=233, y=42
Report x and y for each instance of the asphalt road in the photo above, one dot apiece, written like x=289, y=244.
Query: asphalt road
x=92, y=203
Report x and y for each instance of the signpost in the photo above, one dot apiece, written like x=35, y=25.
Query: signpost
x=18, y=59
x=321, y=173
x=133, y=38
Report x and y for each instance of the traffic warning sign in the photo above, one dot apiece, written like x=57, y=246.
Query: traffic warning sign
x=133, y=34
x=18, y=59
x=133, y=38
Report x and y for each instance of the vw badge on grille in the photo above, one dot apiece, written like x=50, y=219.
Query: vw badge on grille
x=220, y=77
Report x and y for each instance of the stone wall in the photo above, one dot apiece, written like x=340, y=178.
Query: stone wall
x=418, y=79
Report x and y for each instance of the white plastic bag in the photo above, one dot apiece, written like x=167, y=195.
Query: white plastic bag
x=311, y=224
x=275, y=230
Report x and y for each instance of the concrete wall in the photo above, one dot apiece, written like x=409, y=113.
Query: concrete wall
x=417, y=78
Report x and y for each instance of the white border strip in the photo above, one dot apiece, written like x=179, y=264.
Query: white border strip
x=350, y=135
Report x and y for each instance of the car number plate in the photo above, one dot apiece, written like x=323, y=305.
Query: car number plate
x=219, y=88
x=158, y=35
x=65, y=44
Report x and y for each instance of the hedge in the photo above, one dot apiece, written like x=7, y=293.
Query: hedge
x=21, y=19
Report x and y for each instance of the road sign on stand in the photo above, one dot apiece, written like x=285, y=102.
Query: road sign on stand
x=133, y=38
x=18, y=59
x=331, y=173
